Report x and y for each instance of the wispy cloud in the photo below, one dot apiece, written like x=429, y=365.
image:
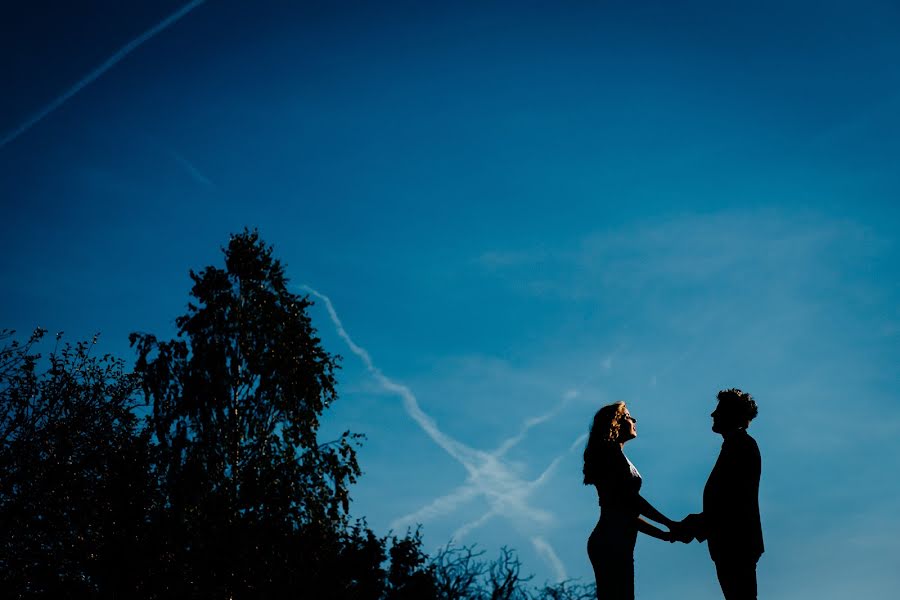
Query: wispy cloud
x=767, y=246
x=489, y=476
x=98, y=71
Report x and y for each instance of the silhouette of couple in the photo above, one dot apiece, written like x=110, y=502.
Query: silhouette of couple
x=729, y=522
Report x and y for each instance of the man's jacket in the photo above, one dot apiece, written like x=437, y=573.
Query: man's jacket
x=730, y=520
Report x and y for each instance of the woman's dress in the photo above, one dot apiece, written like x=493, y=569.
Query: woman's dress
x=611, y=544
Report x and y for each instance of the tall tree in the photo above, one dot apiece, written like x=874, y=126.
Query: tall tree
x=237, y=399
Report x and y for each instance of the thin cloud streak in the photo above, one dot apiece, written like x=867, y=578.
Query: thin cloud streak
x=437, y=507
x=505, y=491
x=525, y=490
x=488, y=476
x=100, y=70
x=460, y=452
x=533, y=422
x=469, y=527
x=544, y=549
x=192, y=170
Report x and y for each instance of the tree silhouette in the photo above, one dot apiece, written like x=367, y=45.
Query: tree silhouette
x=216, y=486
x=237, y=399
x=460, y=573
x=75, y=484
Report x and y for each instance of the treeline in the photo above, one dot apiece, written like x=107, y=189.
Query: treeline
x=198, y=472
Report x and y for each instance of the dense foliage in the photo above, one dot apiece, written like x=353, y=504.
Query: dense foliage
x=76, y=474
x=200, y=474
x=253, y=502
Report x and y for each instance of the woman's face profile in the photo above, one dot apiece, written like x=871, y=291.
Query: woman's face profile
x=627, y=427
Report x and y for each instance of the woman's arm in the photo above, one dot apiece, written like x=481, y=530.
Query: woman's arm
x=647, y=509
x=653, y=531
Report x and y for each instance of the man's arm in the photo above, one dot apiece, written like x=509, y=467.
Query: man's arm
x=694, y=525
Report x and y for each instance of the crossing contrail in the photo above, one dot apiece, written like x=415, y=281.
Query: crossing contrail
x=488, y=475
x=99, y=70
x=462, y=453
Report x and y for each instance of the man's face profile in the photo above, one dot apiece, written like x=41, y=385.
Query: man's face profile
x=724, y=419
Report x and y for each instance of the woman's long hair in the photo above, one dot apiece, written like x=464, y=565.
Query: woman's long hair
x=604, y=431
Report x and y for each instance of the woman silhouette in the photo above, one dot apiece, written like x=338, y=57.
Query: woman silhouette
x=611, y=544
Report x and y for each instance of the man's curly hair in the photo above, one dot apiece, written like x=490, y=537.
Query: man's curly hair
x=740, y=403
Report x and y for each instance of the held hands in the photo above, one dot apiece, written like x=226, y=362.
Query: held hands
x=694, y=525
x=679, y=531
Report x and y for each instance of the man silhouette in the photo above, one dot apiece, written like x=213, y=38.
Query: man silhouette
x=730, y=521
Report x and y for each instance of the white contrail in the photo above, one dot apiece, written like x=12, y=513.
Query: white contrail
x=523, y=490
x=463, y=531
x=544, y=549
x=488, y=476
x=437, y=507
x=534, y=421
x=460, y=452
x=100, y=70
x=193, y=171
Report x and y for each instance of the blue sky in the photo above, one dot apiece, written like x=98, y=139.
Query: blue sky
x=519, y=212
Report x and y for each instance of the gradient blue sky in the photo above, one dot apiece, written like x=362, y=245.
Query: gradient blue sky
x=519, y=212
